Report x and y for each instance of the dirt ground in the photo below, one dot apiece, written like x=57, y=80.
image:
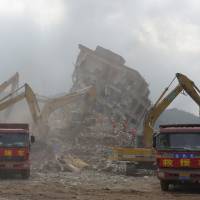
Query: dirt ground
x=89, y=185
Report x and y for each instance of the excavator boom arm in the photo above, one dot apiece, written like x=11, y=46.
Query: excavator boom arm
x=6, y=103
x=184, y=84
x=13, y=81
x=59, y=102
x=155, y=112
x=32, y=103
x=189, y=87
x=29, y=95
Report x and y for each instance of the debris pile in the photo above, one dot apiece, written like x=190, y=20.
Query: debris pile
x=88, y=129
x=121, y=96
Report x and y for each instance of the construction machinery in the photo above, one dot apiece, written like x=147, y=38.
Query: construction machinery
x=177, y=150
x=145, y=157
x=40, y=117
x=50, y=104
x=15, y=140
x=185, y=84
x=53, y=104
x=24, y=92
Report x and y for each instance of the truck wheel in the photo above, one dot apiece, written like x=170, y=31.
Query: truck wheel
x=164, y=185
x=25, y=174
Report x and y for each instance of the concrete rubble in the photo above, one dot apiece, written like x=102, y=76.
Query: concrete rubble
x=85, y=130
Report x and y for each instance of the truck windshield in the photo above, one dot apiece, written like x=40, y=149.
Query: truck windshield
x=13, y=140
x=185, y=141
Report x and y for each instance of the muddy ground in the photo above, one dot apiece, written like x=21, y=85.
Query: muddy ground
x=89, y=185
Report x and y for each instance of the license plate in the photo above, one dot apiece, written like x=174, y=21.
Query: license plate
x=184, y=176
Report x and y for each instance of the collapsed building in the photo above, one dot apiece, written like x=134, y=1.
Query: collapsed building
x=122, y=93
x=87, y=129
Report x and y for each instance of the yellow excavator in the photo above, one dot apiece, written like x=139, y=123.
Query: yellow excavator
x=40, y=117
x=185, y=84
x=144, y=157
x=24, y=92
x=55, y=103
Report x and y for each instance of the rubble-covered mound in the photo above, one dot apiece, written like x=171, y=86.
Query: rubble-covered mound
x=86, y=130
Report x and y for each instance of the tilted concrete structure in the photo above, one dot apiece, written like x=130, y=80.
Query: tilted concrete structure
x=122, y=93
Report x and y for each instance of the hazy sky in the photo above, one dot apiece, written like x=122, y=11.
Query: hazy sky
x=158, y=38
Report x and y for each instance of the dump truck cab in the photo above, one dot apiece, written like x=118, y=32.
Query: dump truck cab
x=177, y=154
x=15, y=143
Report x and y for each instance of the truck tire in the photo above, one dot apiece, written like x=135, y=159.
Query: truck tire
x=25, y=173
x=164, y=185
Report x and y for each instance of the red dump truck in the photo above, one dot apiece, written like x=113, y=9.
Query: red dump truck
x=177, y=154
x=15, y=149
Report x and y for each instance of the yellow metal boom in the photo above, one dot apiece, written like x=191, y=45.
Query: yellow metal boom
x=185, y=84
x=15, y=97
x=13, y=81
x=58, y=102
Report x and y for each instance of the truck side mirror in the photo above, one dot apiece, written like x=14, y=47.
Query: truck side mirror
x=32, y=139
x=154, y=141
